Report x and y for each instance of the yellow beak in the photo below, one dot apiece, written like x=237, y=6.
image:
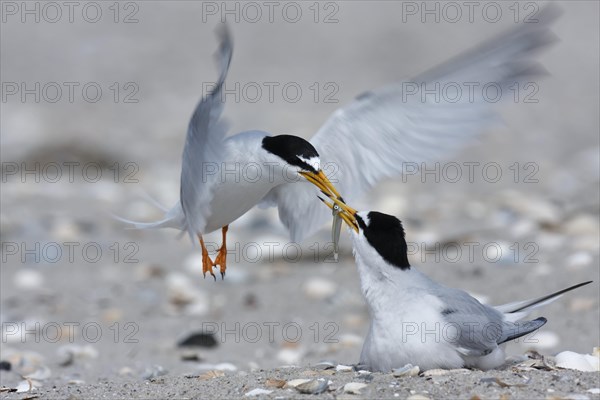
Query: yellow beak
x=321, y=181
x=346, y=212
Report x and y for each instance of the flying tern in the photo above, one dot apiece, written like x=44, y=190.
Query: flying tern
x=368, y=140
x=415, y=320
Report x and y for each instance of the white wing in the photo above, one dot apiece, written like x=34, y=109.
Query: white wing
x=203, y=144
x=374, y=136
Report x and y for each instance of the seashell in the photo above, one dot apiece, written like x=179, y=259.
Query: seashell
x=290, y=356
x=354, y=387
x=319, y=288
x=257, y=392
x=579, y=260
x=350, y=340
x=324, y=365
x=580, y=362
x=313, y=386
x=275, y=383
x=40, y=374
x=417, y=397
x=28, y=279
x=295, y=382
x=154, y=372
x=440, y=372
x=407, y=370
x=211, y=375
x=344, y=368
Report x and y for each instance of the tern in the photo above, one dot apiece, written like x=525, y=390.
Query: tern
x=415, y=320
x=366, y=141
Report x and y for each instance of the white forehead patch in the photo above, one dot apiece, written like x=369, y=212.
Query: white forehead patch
x=365, y=217
x=314, y=162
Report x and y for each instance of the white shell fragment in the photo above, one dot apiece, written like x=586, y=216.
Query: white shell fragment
x=257, y=392
x=28, y=279
x=354, y=387
x=580, y=362
x=313, y=386
x=407, y=370
x=319, y=288
x=343, y=368
x=441, y=372
x=295, y=382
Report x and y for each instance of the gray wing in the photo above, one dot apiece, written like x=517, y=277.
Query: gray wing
x=477, y=329
x=204, y=144
x=374, y=137
x=474, y=328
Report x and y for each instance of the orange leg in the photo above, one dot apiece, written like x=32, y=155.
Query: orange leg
x=207, y=263
x=221, y=259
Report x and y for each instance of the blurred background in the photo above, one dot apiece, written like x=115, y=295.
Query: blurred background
x=95, y=103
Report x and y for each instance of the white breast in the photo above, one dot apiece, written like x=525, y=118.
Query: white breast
x=406, y=324
x=240, y=181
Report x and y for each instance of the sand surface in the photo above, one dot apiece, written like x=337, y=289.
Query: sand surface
x=94, y=310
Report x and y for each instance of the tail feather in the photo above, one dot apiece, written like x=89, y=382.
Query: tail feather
x=519, y=329
x=173, y=218
x=522, y=308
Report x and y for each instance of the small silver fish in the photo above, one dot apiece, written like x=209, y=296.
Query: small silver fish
x=336, y=228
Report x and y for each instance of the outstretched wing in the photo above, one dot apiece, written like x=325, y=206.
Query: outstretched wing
x=204, y=144
x=374, y=137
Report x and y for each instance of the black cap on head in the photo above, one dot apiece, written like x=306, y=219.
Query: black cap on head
x=386, y=234
x=292, y=149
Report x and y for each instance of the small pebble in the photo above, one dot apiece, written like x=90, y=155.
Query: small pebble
x=126, y=371
x=407, y=370
x=25, y=386
x=576, y=396
x=295, y=382
x=154, y=372
x=211, y=375
x=579, y=260
x=582, y=225
x=40, y=374
x=417, y=397
x=190, y=356
x=440, y=372
x=199, y=339
x=324, y=365
x=344, y=368
x=350, y=340
x=28, y=279
x=354, y=387
x=314, y=386
x=290, y=356
x=319, y=288
x=70, y=353
x=275, y=383
x=257, y=392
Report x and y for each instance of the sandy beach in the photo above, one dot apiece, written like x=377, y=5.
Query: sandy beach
x=96, y=100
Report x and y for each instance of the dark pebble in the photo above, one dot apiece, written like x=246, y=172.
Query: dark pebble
x=199, y=340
